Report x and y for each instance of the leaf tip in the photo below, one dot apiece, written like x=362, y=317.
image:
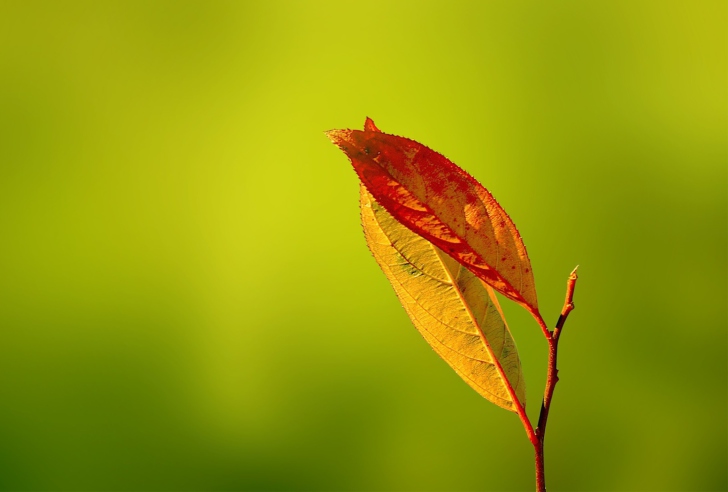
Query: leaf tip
x=337, y=137
x=369, y=126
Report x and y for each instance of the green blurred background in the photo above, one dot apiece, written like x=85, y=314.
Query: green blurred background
x=186, y=298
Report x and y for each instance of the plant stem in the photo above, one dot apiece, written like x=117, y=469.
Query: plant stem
x=540, y=479
x=552, y=378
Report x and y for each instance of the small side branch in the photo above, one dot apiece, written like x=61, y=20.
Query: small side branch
x=568, y=303
x=552, y=378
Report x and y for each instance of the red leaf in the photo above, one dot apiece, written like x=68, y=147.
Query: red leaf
x=444, y=204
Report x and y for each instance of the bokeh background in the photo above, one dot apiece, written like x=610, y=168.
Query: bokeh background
x=186, y=298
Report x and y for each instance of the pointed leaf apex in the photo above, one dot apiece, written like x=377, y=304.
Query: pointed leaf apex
x=338, y=137
x=369, y=126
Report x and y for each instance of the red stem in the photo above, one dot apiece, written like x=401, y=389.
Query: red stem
x=540, y=479
x=552, y=378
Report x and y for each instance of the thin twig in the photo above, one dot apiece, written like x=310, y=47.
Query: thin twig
x=551, y=379
x=568, y=302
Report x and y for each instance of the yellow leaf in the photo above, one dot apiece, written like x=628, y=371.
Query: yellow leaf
x=454, y=310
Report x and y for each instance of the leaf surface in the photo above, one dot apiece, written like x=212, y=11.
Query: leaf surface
x=439, y=201
x=454, y=310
